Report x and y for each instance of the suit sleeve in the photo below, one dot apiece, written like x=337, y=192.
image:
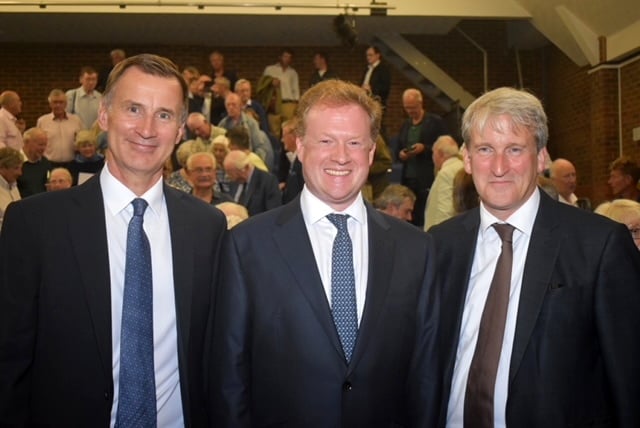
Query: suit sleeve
x=617, y=306
x=19, y=279
x=230, y=379
x=424, y=380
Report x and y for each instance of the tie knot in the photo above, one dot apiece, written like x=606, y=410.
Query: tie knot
x=139, y=205
x=505, y=231
x=339, y=220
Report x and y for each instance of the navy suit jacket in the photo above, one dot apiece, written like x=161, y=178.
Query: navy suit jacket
x=278, y=359
x=380, y=82
x=577, y=340
x=55, y=310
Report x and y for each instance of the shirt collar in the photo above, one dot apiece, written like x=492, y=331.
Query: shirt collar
x=4, y=183
x=118, y=197
x=314, y=209
x=5, y=112
x=522, y=219
x=375, y=64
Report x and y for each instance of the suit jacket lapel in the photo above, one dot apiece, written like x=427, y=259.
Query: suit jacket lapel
x=541, y=256
x=182, y=243
x=87, y=230
x=381, y=252
x=292, y=240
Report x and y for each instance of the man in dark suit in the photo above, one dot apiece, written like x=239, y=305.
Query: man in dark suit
x=562, y=346
x=251, y=187
x=66, y=281
x=290, y=174
x=377, y=77
x=309, y=333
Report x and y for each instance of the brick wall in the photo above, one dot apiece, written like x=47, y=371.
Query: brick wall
x=582, y=107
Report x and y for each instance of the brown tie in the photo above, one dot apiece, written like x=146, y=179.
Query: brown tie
x=478, y=401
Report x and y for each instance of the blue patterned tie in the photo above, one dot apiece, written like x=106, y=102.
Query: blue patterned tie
x=343, y=286
x=137, y=390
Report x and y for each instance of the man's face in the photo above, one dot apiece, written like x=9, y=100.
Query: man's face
x=219, y=152
x=234, y=173
x=202, y=173
x=217, y=61
x=233, y=105
x=336, y=153
x=14, y=105
x=58, y=103
x=87, y=149
x=244, y=92
x=201, y=128
x=289, y=139
x=59, y=181
x=412, y=106
x=619, y=181
x=202, y=83
x=505, y=164
x=35, y=146
x=403, y=212
x=89, y=81
x=318, y=62
x=11, y=173
x=286, y=59
x=143, y=123
x=565, y=179
x=372, y=56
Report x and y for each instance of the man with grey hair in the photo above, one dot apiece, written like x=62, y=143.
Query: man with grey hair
x=551, y=337
x=36, y=167
x=397, y=201
x=10, y=171
x=563, y=175
x=447, y=162
x=416, y=137
x=106, y=289
x=116, y=56
x=61, y=128
x=10, y=134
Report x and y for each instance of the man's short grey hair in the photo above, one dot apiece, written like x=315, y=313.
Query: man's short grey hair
x=524, y=110
x=394, y=195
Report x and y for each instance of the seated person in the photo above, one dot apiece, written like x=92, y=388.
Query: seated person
x=235, y=213
x=59, y=179
x=239, y=140
x=201, y=170
x=179, y=179
x=397, y=201
x=220, y=148
x=87, y=161
x=623, y=211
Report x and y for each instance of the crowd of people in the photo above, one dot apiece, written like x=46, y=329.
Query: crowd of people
x=125, y=301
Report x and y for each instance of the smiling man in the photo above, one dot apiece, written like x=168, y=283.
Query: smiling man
x=106, y=289
x=550, y=339
x=338, y=286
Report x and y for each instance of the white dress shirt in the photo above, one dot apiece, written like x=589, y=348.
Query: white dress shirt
x=488, y=249
x=10, y=135
x=289, y=85
x=322, y=234
x=118, y=212
x=61, y=136
x=367, y=75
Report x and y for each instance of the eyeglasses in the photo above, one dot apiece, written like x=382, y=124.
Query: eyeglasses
x=635, y=232
x=206, y=170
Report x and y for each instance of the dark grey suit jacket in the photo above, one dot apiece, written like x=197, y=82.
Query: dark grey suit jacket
x=262, y=193
x=55, y=310
x=277, y=356
x=577, y=340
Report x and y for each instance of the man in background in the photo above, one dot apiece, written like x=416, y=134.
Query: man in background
x=563, y=174
x=85, y=100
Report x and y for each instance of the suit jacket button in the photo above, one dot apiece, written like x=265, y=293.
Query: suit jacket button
x=347, y=386
x=106, y=395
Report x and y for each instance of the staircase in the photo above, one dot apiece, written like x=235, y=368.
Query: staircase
x=424, y=73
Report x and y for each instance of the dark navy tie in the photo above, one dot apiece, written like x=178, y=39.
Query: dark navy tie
x=343, y=286
x=137, y=385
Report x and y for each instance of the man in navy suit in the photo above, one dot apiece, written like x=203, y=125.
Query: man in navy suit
x=565, y=351
x=63, y=269
x=281, y=353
